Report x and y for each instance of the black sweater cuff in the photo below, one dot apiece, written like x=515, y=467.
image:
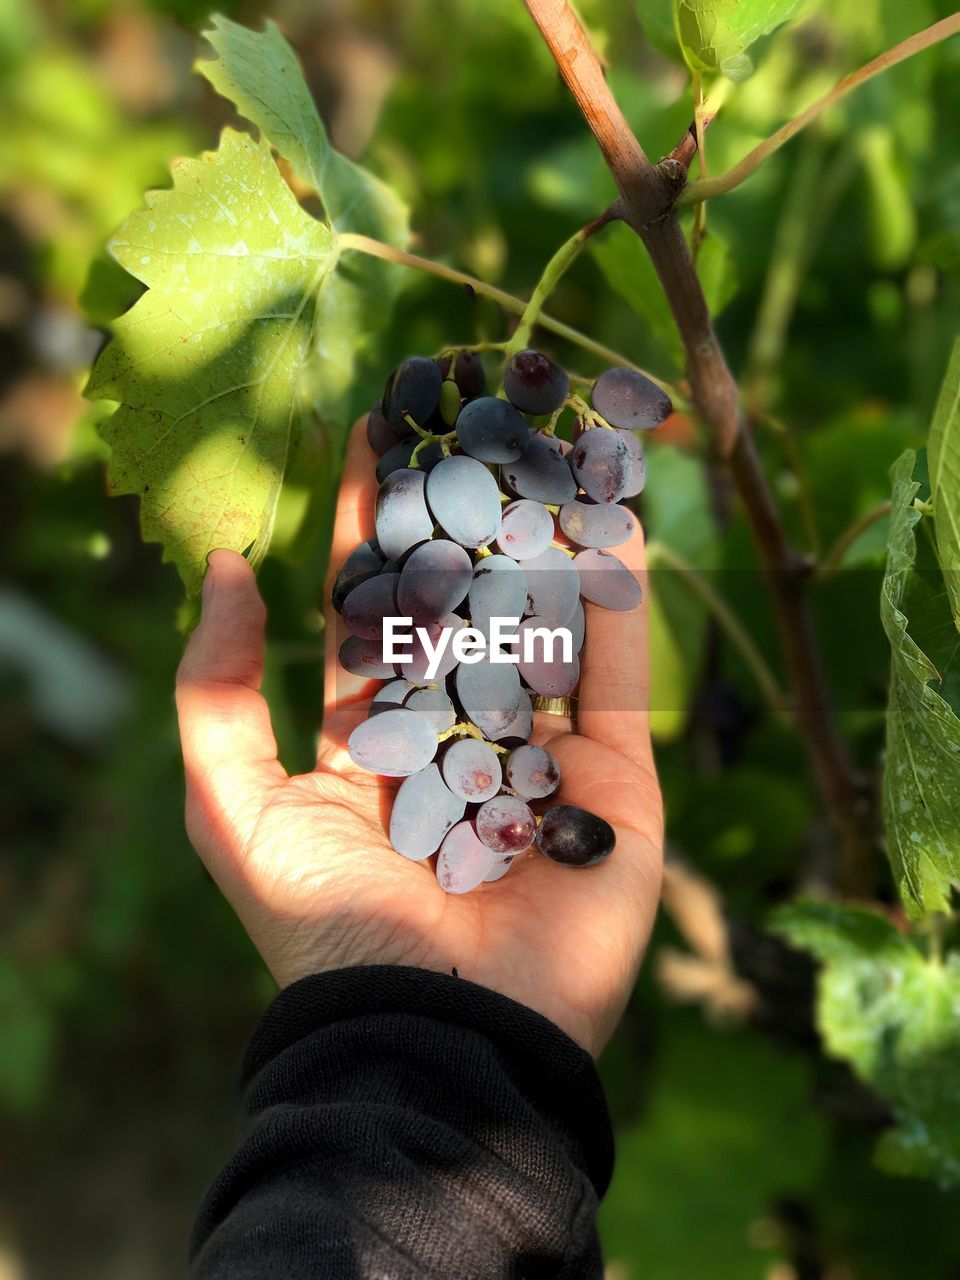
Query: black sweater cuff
x=408, y=1124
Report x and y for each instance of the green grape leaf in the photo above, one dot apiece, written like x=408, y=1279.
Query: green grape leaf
x=889, y=1011
x=206, y=364
x=921, y=783
x=259, y=73
x=627, y=268
x=943, y=449
x=716, y=34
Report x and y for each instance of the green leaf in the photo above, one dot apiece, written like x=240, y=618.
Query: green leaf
x=259, y=73
x=943, y=448
x=921, y=783
x=206, y=364
x=890, y=1012
x=716, y=34
x=628, y=270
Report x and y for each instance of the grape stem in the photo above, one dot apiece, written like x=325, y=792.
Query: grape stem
x=516, y=306
x=649, y=199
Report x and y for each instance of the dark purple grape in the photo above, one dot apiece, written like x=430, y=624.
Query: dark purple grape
x=500, y=868
x=526, y=529
x=415, y=668
x=534, y=384
x=518, y=731
x=491, y=430
x=381, y=437
x=468, y=373
x=489, y=693
x=395, y=743
x=498, y=590
x=395, y=459
x=429, y=455
x=596, y=524
x=638, y=463
x=363, y=563
x=551, y=678
x=506, y=824
x=390, y=695
x=574, y=837
x=606, y=581
x=625, y=398
x=413, y=388
x=433, y=705
x=402, y=516
x=464, y=861
x=543, y=473
x=434, y=580
x=364, y=658
x=553, y=586
x=471, y=769
x=424, y=810
x=601, y=464
x=465, y=501
x=532, y=772
x=369, y=603
x=578, y=627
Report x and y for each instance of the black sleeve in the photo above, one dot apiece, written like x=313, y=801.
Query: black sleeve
x=407, y=1125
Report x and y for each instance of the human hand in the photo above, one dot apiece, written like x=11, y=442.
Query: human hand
x=306, y=863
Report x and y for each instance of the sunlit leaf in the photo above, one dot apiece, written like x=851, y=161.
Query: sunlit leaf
x=921, y=782
x=943, y=451
x=716, y=34
x=890, y=1012
x=205, y=365
x=627, y=268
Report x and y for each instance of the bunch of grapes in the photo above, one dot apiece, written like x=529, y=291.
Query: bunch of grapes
x=472, y=489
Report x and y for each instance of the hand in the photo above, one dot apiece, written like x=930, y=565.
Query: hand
x=305, y=860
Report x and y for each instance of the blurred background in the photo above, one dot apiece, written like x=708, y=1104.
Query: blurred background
x=126, y=988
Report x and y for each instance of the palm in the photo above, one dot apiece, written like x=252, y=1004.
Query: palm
x=307, y=863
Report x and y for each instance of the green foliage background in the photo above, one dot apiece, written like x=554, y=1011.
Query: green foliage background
x=126, y=988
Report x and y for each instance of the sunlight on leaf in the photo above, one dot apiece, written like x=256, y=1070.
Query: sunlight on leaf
x=716, y=34
x=944, y=455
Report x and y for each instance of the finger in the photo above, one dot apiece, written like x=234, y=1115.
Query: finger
x=353, y=524
x=615, y=681
x=229, y=751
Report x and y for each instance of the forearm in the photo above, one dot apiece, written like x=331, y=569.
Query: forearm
x=409, y=1124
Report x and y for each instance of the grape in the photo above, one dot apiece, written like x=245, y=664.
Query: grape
x=498, y=590
x=578, y=628
x=491, y=430
x=601, y=464
x=390, y=695
x=369, y=603
x=430, y=455
x=526, y=529
x=625, y=398
x=463, y=862
x=606, y=581
x=472, y=770
x=506, y=824
x=413, y=388
x=464, y=498
x=402, y=516
x=596, y=524
x=435, y=579
x=520, y=727
x=553, y=586
x=381, y=437
x=395, y=743
x=575, y=837
x=638, y=463
x=364, y=658
x=415, y=668
x=532, y=772
x=468, y=373
x=395, y=459
x=543, y=473
x=363, y=563
x=500, y=868
x=534, y=383
x=424, y=810
x=489, y=693
x=433, y=705
x=551, y=679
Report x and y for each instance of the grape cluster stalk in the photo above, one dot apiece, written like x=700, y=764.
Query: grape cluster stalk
x=484, y=513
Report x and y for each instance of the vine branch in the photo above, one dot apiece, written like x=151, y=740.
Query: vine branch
x=648, y=196
x=707, y=188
